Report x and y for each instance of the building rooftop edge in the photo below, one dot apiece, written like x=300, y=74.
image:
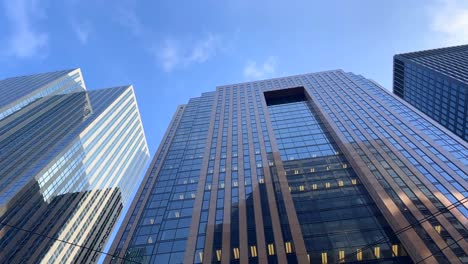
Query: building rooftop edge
x=275, y=78
x=412, y=54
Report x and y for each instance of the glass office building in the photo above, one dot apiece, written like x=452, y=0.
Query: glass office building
x=68, y=163
x=436, y=83
x=324, y=168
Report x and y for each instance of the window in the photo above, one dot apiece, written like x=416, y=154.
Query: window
x=394, y=250
x=377, y=252
x=218, y=254
x=236, y=253
x=271, y=249
x=324, y=258
x=288, y=247
x=200, y=256
x=341, y=256
x=253, y=251
x=359, y=254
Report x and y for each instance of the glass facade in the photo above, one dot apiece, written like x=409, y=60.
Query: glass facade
x=337, y=216
x=317, y=168
x=68, y=162
x=436, y=83
x=163, y=228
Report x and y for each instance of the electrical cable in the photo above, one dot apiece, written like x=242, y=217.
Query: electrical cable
x=444, y=210
x=67, y=242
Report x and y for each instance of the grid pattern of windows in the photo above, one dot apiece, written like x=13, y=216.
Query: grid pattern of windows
x=161, y=233
x=382, y=116
x=299, y=134
x=68, y=163
x=436, y=83
x=136, y=254
x=327, y=176
x=18, y=92
x=336, y=214
x=452, y=61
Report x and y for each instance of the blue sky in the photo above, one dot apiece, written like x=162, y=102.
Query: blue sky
x=174, y=50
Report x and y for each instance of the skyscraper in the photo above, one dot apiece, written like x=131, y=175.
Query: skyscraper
x=436, y=82
x=326, y=167
x=69, y=160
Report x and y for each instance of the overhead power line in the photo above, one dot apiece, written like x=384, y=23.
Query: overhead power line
x=67, y=242
x=406, y=228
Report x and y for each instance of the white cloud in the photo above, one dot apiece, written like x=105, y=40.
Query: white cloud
x=254, y=71
x=169, y=56
x=449, y=18
x=82, y=31
x=204, y=49
x=25, y=40
x=174, y=54
x=126, y=16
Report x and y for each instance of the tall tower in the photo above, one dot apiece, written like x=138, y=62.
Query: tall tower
x=436, y=82
x=325, y=167
x=69, y=160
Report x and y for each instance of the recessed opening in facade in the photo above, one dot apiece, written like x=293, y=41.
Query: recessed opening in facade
x=285, y=96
